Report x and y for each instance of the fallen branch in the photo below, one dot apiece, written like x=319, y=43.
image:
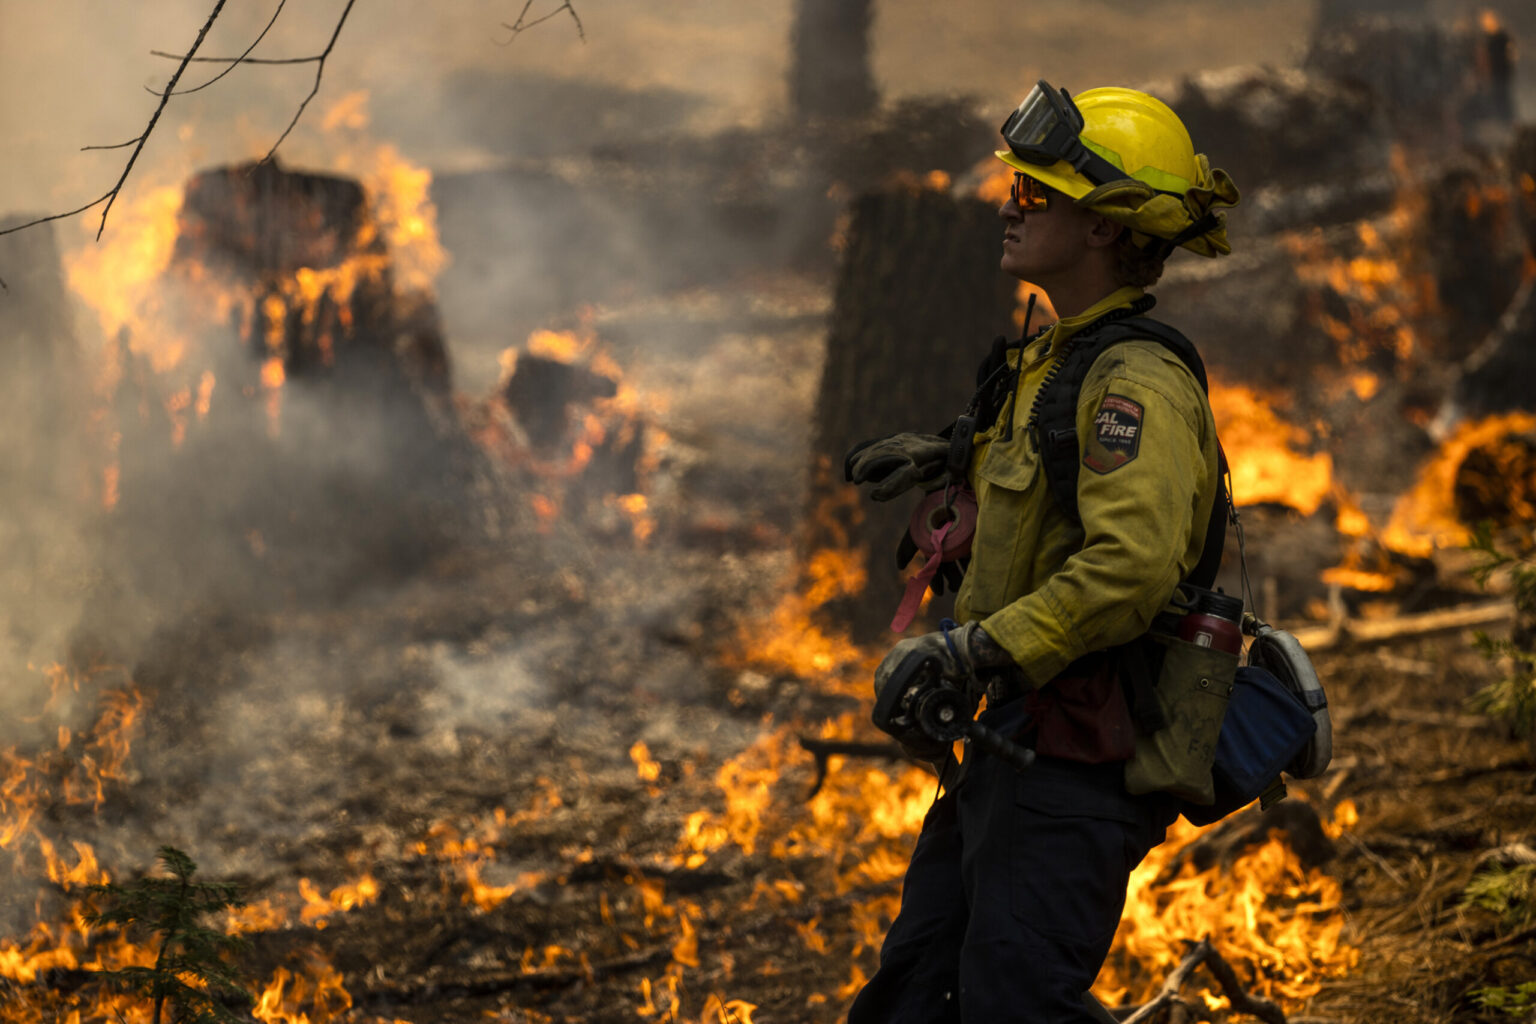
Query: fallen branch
x=1365, y=631
x=512, y=981
x=1204, y=953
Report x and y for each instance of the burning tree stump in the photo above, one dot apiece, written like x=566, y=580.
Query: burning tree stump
x=307, y=247
x=302, y=440
x=918, y=300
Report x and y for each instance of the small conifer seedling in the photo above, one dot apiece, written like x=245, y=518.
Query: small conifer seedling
x=192, y=981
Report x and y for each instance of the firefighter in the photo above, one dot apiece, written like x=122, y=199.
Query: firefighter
x=1018, y=878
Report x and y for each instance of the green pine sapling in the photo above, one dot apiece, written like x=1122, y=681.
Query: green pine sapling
x=191, y=981
x=1513, y=698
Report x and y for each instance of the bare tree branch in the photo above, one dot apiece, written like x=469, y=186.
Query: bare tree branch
x=111, y=196
x=183, y=60
x=116, y=145
x=319, y=70
x=238, y=60
x=522, y=24
x=1203, y=952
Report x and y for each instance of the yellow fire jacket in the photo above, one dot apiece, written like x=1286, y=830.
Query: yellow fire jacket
x=1049, y=590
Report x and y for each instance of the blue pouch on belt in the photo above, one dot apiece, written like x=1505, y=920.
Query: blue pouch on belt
x=1266, y=729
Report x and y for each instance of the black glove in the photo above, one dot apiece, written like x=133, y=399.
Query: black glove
x=950, y=573
x=897, y=463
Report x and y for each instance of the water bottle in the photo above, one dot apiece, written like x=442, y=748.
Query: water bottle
x=1213, y=619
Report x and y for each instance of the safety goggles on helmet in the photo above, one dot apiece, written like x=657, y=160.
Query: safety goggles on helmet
x=1030, y=194
x=1045, y=129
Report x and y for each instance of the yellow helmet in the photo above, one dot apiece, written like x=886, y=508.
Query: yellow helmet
x=1125, y=154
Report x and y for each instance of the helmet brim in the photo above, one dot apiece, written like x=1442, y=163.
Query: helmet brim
x=1059, y=176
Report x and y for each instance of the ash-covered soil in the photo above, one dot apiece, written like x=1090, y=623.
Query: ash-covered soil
x=332, y=745
x=467, y=741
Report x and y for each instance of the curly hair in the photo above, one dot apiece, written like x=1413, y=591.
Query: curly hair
x=1134, y=265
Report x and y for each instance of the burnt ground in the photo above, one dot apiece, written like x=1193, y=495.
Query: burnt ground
x=477, y=724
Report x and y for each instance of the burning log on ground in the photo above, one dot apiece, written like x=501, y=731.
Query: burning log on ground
x=542, y=391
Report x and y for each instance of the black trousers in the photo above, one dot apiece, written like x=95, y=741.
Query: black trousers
x=1013, y=895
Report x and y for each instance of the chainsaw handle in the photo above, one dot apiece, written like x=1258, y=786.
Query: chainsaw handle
x=998, y=745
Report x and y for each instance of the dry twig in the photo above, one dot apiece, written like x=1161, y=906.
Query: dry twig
x=1203, y=952
x=522, y=24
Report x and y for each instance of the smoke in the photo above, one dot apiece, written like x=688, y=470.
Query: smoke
x=650, y=157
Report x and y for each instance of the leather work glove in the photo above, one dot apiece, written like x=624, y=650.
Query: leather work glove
x=897, y=463
x=964, y=653
x=914, y=742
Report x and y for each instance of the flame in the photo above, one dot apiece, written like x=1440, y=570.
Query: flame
x=318, y=909
x=561, y=346
x=1261, y=448
x=647, y=769
x=167, y=313
x=1424, y=518
x=1381, y=296
x=315, y=997
x=996, y=183
x=1264, y=910
x=636, y=507
x=119, y=277
x=80, y=773
x=467, y=852
x=734, y=1011
x=789, y=639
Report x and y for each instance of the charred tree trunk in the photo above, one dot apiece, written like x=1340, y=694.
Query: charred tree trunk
x=918, y=300
x=830, y=75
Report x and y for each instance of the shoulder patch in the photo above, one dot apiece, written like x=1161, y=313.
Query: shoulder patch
x=1116, y=436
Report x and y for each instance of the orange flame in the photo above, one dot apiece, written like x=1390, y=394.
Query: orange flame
x=317, y=908
x=1264, y=910
x=1262, y=450
x=1425, y=517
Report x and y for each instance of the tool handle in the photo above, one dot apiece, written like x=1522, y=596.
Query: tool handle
x=998, y=745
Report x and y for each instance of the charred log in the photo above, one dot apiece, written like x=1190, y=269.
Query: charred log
x=542, y=391
x=1496, y=484
x=264, y=220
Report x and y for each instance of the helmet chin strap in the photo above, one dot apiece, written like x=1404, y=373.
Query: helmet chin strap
x=1162, y=248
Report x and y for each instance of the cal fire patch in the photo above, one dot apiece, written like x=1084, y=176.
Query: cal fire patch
x=1116, y=434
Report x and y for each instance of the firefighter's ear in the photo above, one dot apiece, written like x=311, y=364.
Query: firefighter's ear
x=1102, y=231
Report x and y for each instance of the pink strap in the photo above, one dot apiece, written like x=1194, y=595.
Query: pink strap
x=912, y=598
